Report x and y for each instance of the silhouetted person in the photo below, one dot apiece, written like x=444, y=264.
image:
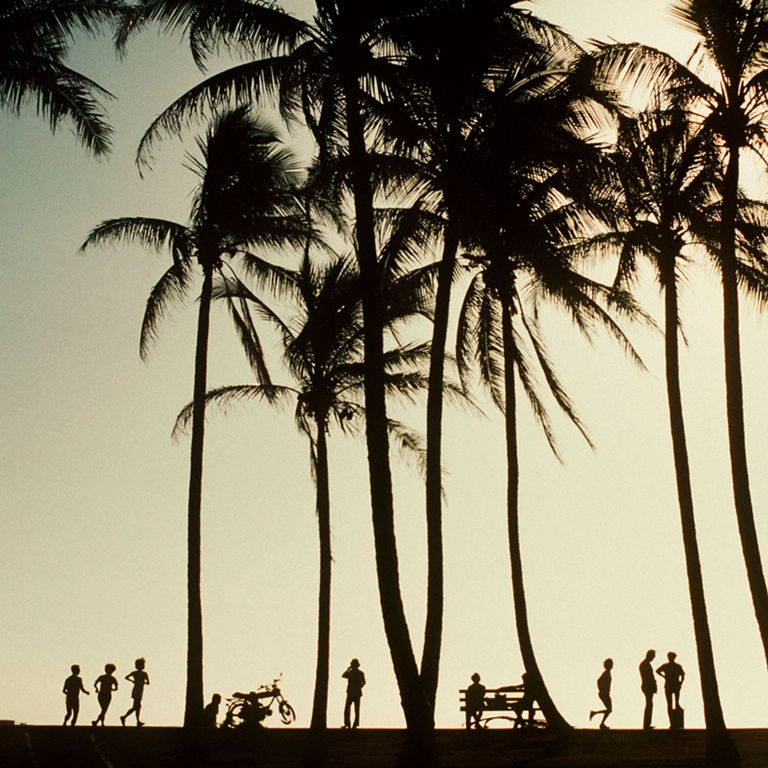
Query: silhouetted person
x=139, y=678
x=526, y=703
x=104, y=686
x=355, y=682
x=72, y=687
x=604, y=693
x=648, y=687
x=211, y=711
x=673, y=675
x=474, y=703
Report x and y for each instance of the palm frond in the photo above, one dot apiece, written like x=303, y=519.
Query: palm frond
x=171, y=289
x=223, y=398
x=154, y=234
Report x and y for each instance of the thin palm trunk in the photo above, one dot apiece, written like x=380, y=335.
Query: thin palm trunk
x=533, y=675
x=430, y=658
x=194, y=694
x=735, y=400
x=720, y=748
x=320, y=701
x=416, y=709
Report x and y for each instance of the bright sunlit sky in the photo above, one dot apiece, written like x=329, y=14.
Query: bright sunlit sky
x=94, y=491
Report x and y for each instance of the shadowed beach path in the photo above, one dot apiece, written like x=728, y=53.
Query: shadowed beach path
x=114, y=747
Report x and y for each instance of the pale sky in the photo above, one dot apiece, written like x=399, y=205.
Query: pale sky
x=93, y=552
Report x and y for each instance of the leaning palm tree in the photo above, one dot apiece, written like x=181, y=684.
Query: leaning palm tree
x=324, y=72
x=34, y=39
x=245, y=199
x=530, y=191
x=449, y=84
x=667, y=193
x=724, y=87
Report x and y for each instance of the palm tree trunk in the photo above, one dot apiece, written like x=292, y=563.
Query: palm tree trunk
x=430, y=657
x=193, y=710
x=720, y=748
x=418, y=714
x=533, y=675
x=320, y=701
x=735, y=399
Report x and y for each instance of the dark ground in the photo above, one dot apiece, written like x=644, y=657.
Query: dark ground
x=84, y=747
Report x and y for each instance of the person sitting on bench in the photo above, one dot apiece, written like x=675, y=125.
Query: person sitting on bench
x=526, y=703
x=475, y=702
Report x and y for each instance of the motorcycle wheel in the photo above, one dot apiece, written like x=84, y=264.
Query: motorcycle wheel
x=234, y=717
x=287, y=715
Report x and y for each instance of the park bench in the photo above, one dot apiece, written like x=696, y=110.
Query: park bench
x=505, y=703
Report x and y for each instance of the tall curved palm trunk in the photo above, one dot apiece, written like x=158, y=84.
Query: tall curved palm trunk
x=430, y=657
x=193, y=709
x=416, y=708
x=533, y=675
x=720, y=747
x=323, y=505
x=735, y=398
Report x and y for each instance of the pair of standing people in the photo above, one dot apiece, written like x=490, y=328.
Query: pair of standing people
x=673, y=675
x=104, y=686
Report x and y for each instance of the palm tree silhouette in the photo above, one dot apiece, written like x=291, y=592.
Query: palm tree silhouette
x=529, y=190
x=733, y=42
x=448, y=76
x=321, y=341
x=34, y=39
x=668, y=177
x=325, y=71
x=245, y=198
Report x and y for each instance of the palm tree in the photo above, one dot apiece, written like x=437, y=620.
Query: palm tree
x=324, y=71
x=245, y=199
x=529, y=191
x=734, y=37
x=449, y=81
x=733, y=43
x=321, y=343
x=668, y=179
x=34, y=39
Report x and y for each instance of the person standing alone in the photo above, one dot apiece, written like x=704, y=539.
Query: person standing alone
x=355, y=682
x=648, y=687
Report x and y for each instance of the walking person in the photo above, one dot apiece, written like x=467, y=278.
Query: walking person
x=648, y=687
x=673, y=675
x=604, y=693
x=355, y=681
x=72, y=687
x=139, y=678
x=104, y=686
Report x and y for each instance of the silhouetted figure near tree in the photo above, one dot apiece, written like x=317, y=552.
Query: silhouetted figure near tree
x=526, y=703
x=104, y=686
x=72, y=687
x=355, y=682
x=475, y=701
x=604, y=693
x=211, y=711
x=648, y=687
x=139, y=678
x=673, y=675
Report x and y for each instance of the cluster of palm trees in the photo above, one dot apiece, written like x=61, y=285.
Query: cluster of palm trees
x=453, y=138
